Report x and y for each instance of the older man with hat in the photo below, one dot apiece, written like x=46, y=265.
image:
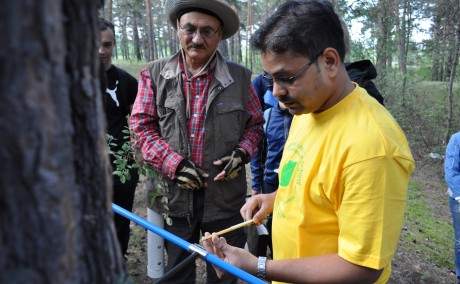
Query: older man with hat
x=198, y=121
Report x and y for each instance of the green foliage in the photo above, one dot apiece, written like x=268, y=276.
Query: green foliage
x=424, y=234
x=133, y=67
x=360, y=50
x=161, y=190
x=127, y=158
x=420, y=107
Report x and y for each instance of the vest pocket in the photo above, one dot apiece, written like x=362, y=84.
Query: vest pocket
x=169, y=126
x=229, y=124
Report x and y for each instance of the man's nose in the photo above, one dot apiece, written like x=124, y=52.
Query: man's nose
x=197, y=37
x=278, y=90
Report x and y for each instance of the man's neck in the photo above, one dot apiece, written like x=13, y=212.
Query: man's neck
x=194, y=67
x=108, y=67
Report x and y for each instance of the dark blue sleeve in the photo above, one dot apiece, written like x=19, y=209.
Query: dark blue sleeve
x=260, y=88
x=257, y=167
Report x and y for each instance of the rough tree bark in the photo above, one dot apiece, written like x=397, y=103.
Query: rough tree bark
x=382, y=35
x=452, y=75
x=55, y=204
x=151, y=46
x=137, y=41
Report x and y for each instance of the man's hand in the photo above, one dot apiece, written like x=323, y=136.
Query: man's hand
x=233, y=164
x=457, y=199
x=258, y=207
x=235, y=256
x=188, y=176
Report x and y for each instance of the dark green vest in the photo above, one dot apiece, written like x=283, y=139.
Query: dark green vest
x=225, y=122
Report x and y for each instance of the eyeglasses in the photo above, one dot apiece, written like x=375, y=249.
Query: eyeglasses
x=289, y=81
x=206, y=32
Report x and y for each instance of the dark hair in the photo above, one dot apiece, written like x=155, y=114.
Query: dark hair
x=301, y=27
x=105, y=24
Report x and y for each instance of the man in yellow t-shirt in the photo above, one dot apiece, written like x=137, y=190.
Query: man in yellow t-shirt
x=338, y=210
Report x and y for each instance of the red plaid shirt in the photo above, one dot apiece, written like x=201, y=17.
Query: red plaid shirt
x=154, y=148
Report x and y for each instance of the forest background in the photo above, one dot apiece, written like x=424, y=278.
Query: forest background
x=55, y=199
x=415, y=48
x=411, y=43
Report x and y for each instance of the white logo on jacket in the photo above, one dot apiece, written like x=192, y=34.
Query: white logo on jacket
x=113, y=94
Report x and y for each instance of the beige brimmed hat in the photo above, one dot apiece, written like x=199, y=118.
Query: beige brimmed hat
x=226, y=14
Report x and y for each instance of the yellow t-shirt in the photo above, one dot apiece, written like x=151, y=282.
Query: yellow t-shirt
x=343, y=185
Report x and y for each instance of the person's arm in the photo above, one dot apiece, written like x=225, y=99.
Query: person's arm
x=329, y=268
x=248, y=146
x=259, y=88
x=373, y=201
x=452, y=165
x=257, y=169
x=144, y=125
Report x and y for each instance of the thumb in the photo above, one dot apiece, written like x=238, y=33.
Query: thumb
x=220, y=245
x=258, y=218
x=223, y=160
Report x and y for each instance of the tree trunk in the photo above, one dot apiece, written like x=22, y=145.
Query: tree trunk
x=436, y=52
x=453, y=69
x=55, y=205
x=151, y=47
x=137, y=41
x=401, y=32
x=124, y=47
x=110, y=12
x=382, y=39
x=249, y=25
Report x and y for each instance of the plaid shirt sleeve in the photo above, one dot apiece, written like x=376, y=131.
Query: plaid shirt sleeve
x=253, y=132
x=144, y=126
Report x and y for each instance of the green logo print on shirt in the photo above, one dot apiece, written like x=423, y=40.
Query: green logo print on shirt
x=286, y=173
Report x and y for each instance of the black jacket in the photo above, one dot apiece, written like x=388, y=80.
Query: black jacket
x=362, y=72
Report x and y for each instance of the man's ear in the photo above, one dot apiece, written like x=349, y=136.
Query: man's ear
x=177, y=26
x=332, y=61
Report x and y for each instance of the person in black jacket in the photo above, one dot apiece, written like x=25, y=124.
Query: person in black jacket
x=121, y=90
x=363, y=72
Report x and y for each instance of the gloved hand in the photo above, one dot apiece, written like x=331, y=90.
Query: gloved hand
x=457, y=199
x=233, y=162
x=188, y=176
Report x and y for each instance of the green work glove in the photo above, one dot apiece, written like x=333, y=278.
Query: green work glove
x=188, y=176
x=233, y=162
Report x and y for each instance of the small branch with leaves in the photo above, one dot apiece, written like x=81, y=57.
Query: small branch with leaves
x=126, y=158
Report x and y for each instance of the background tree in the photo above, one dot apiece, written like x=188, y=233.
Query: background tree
x=151, y=50
x=55, y=205
x=454, y=23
